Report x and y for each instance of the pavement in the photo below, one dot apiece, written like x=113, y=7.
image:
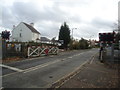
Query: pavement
x=94, y=74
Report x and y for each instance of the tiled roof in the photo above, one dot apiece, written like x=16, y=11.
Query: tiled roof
x=31, y=28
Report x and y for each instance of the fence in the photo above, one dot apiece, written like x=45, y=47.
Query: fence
x=34, y=51
x=15, y=49
x=20, y=49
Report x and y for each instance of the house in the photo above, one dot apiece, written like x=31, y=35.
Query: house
x=45, y=40
x=25, y=32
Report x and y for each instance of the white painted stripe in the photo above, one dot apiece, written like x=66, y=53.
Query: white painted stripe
x=40, y=66
x=70, y=57
x=12, y=68
x=92, y=60
x=9, y=74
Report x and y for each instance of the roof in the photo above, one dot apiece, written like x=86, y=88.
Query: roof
x=31, y=28
x=44, y=39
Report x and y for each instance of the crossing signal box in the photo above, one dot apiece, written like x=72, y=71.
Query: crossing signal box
x=107, y=37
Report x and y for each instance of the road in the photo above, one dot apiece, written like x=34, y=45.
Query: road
x=42, y=72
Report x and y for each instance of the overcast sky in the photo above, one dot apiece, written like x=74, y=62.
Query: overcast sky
x=89, y=16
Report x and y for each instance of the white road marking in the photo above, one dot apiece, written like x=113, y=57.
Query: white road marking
x=78, y=54
x=77, y=69
x=40, y=66
x=92, y=60
x=70, y=57
x=1, y=88
x=9, y=74
x=46, y=64
x=36, y=67
x=12, y=68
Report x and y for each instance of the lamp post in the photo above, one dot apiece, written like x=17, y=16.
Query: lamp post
x=72, y=31
x=91, y=40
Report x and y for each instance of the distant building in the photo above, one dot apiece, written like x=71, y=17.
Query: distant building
x=45, y=40
x=25, y=32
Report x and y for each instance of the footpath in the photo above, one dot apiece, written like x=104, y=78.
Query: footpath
x=94, y=74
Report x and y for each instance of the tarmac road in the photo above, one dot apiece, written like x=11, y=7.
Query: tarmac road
x=42, y=72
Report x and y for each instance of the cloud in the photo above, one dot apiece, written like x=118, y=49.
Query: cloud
x=100, y=23
x=90, y=16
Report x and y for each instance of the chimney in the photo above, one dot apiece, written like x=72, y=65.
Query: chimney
x=32, y=24
x=13, y=26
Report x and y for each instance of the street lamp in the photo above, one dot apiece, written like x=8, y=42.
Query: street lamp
x=91, y=40
x=72, y=31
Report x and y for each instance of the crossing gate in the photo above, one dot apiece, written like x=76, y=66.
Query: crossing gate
x=35, y=51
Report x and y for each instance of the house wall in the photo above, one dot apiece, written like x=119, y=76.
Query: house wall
x=35, y=36
x=22, y=33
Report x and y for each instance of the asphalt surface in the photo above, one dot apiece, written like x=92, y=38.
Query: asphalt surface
x=42, y=72
x=94, y=75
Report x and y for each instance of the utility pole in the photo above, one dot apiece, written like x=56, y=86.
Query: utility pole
x=0, y=48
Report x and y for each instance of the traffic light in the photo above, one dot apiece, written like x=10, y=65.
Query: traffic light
x=5, y=34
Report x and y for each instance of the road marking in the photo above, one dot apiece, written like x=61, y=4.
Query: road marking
x=92, y=60
x=70, y=57
x=71, y=74
x=12, y=68
x=1, y=88
x=51, y=56
x=46, y=64
x=8, y=74
x=39, y=66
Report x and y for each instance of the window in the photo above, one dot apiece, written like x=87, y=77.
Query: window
x=20, y=35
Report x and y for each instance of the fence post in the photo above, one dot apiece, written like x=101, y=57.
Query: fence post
x=4, y=49
x=112, y=52
x=28, y=52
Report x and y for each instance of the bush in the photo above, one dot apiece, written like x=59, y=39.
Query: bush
x=81, y=44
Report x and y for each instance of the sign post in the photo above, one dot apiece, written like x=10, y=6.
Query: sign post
x=108, y=38
x=0, y=61
x=0, y=48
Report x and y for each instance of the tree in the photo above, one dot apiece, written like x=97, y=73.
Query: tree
x=83, y=43
x=64, y=34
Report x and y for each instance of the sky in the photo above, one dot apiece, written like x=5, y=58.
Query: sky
x=89, y=17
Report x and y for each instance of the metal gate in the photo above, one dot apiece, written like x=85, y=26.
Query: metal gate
x=35, y=51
